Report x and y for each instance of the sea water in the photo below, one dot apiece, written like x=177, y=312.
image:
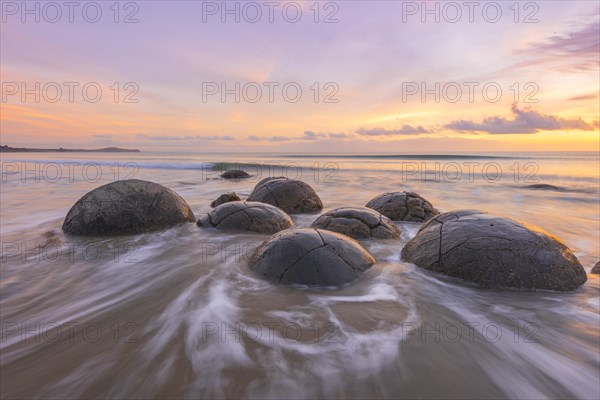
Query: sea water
x=177, y=313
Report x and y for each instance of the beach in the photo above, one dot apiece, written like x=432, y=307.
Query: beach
x=177, y=313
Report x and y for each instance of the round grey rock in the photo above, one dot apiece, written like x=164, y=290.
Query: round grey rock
x=235, y=174
x=358, y=223
x=596, y=269
x=247, y=216
x=225, y=198
x=494, y=252
x=403, y=206
x=542, y=186
x=292, y=196
x=312, y=257
x=126, y=207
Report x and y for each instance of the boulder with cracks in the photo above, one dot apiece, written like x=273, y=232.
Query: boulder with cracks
x=358, y=223
x=247, y=216
x=312, y=257
x=403, y=206
x=126, y=207
x=292, y=196
x=494, y=252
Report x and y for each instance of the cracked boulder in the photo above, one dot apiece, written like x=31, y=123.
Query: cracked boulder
x=312, y=257
x=126, y=207
x=596, y=269
x=235, y=174
x=247, y=216
x=358, y=223
x=403, y=206
x=225, y=198
x=494, y=252
x=292, y=196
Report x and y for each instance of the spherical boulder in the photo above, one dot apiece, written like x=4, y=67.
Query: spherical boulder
x=358, y=223
x=310, y=257
x=235, y=174
x=126, y=207
x=596, y=269
x=292, y=196
x=225, y=198
x=494, y=252
x=542, y=186
x=247, y=216
x=403, y=206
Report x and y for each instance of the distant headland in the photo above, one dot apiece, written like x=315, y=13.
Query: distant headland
x=7, y=149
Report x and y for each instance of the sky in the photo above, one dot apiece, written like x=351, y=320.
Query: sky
x=308, y=76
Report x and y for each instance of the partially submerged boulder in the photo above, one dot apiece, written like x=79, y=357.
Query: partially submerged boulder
x=247, y=216
x=292, y=196
x=311, y=257
x=542, y=186
x=494, y=252
x=225, y=198
x=358, y=223
x=126, y=207
x=235, y=174
x=596, y=269
x=403, y=206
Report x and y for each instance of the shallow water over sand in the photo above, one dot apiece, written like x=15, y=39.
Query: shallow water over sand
x=177, y=313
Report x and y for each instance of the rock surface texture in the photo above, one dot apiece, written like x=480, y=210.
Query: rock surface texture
x=311, y=257
x=494, y=252
x=126, y=207
x=292, y=196
x=358, y=223
x=403, y=206
x=247, y=216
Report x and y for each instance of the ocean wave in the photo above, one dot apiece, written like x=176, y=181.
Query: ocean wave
x=171, y=165
x=552, y=188
x=121, y=163
x=410, y=156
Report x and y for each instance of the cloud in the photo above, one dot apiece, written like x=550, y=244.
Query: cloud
x=306, y=136
x=216, y=137
x=268, y=138
x=185, y=138
x=524, y=122
x=578, y=48
x=584, y=97
x=310, y=135
x=341, y=135
x=404, y=130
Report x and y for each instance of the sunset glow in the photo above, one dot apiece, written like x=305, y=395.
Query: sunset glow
x=300, y=199
x=376, y=71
